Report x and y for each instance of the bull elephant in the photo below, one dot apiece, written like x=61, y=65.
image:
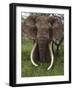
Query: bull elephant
x=43, y=30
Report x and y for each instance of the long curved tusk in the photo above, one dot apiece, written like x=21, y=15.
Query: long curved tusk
x=52, y=56
x=31, y=56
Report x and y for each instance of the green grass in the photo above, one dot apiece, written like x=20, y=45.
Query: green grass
x=28, y=70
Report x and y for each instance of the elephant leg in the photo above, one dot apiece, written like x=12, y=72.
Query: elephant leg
x=58, y=45
x=57, y=50
x=48, y=56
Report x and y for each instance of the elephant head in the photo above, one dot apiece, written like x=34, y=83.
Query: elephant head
x=41, y=30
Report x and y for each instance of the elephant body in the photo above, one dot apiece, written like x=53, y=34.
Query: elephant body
x=43, y=30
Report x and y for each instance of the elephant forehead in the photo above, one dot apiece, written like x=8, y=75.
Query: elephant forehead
x=42, y=26
x=42, y=19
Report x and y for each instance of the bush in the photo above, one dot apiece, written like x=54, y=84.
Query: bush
x=28, y=70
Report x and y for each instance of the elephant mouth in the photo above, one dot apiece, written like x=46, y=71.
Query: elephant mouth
x=41, y=56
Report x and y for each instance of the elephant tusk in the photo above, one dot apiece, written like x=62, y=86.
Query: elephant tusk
x=52, y=56
x=31, y=56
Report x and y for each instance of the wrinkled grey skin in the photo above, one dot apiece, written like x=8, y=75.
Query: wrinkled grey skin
x=58, y=32
x=43, y=30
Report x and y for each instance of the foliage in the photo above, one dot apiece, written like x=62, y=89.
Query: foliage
x=25, y=15
x=28, y=70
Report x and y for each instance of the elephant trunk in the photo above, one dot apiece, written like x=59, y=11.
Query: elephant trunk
x=43, y=53
x=43, y=50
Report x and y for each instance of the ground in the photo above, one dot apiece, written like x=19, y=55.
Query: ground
x=29, y=70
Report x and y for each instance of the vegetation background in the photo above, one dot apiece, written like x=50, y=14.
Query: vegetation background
x=27, y=68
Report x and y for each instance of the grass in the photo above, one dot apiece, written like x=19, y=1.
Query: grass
x=28, y=70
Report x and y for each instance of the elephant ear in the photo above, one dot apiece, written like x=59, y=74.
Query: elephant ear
x=29, y=28
x=57, y=27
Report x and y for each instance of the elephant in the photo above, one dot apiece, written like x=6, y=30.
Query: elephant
x=43, y=31
x=58, y=32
